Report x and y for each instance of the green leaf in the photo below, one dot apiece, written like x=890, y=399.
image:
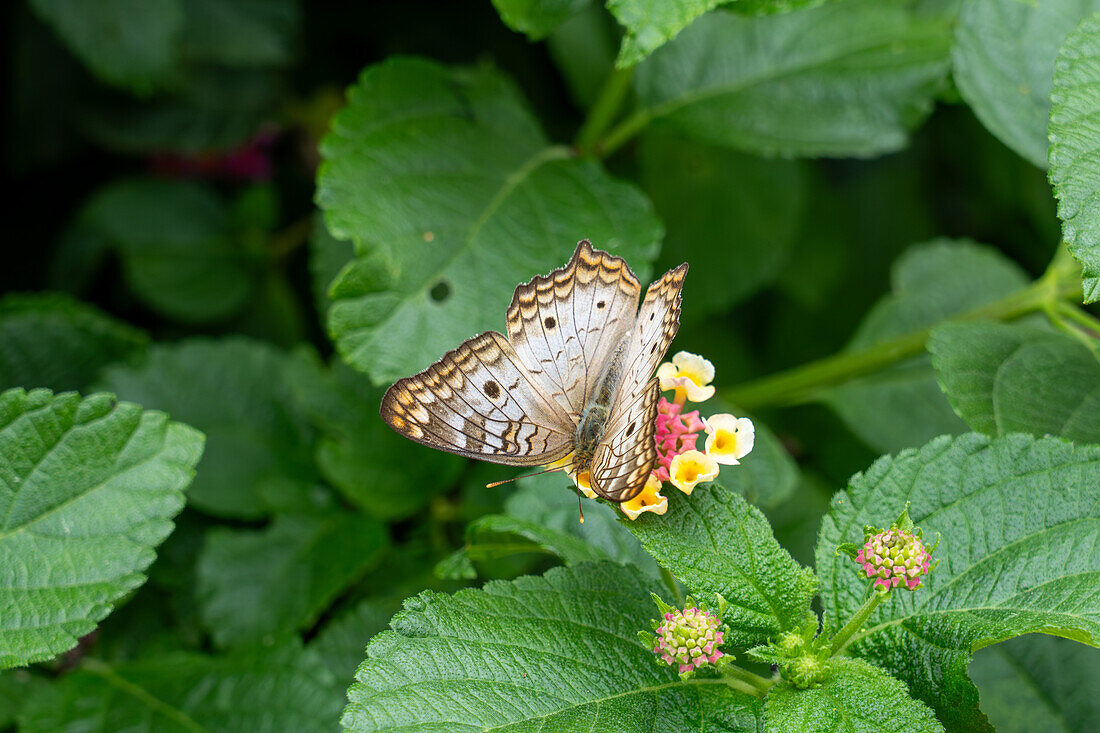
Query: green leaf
x=258, y=583
x=537, y=18
x=499, y=535
x=240, y=32
x=1074, y=171
x=88, y=487
x=1017, y=520
x=765, y=7
x=717, y=543
x=126, y=43
x=558, y=652
x=176, y=244
x=930, y=282
x=849, y=78
x=700, y=191
x=652, y=23
x=383, y=473
x=327, y=256
x=768, y=475
x=550, y=501
x=583, y=49
x=343, y=641
x=258, y=446
x=51, y=340
x=1003, y=58
x=856, y=697
x=452, y=196
x=281, y=688
x=1035, y=683
x=1005, y=379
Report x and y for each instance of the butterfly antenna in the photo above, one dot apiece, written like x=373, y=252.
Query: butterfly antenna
x=495, y=484
x=580, y=508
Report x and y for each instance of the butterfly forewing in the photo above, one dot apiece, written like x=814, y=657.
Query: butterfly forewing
x=565, y=325
x=481, y=401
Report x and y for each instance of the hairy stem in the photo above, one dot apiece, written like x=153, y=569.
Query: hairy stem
x=803, y=383
x=605, y=108
x=856, y=623
x=673, y=586
x=621, y=133
x=757, y=685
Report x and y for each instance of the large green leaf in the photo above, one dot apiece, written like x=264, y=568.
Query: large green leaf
x=258, y=446
x=1074, y=169
x=1039, y=683
x=849, y=78
x=258, y=583
x=51, y=340
x=550, y=501
x=856, y=697
x=262, y=690
x=1006, y=379
x=1004, y=55
x=452, y=196
x=1017, y=519
x=127, y=43
x=652, y=23
x=558, y=652
x=537, y=18
x=88, y=487
x=732, y=216
x=715, y=542
x=176, y=243
x=930, y=282
x=16, y=687
x=383, y=473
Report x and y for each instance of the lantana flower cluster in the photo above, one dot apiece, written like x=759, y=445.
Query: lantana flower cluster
x=895, y=556
x=687, y=638
x=679, y=458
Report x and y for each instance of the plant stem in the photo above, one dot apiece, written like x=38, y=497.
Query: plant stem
x=622, y=132
x=857, y=621
x=670, y=581
x=801, y=384
x=758, y=685
x=606, y=106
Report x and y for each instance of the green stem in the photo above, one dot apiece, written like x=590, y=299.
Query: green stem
x=622, y=132
x=864, y=612
x=1082, y=318
x=670, y=581
x=757, y=685
x=606, y=107
x=802, y=383
x=1076, y=323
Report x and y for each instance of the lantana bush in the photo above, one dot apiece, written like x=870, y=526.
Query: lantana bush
x=233, y=224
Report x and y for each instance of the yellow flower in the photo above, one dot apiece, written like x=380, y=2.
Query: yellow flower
x=729, y=438
x=583, y=480
x=690, y=375
x=650, y=500
x=690, y=468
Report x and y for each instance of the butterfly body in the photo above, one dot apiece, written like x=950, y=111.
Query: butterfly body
x=572, y=379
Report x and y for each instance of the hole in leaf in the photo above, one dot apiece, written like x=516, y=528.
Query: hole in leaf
x=440, y=291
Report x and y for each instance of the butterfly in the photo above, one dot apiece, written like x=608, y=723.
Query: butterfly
x=572, y=381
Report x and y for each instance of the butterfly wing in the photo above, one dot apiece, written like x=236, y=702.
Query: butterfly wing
x=480, y=401
x=623, y=459
x=565, y=325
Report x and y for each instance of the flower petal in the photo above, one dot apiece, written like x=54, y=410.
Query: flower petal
x=729, y=438
x=691, y=468
x=650, y=500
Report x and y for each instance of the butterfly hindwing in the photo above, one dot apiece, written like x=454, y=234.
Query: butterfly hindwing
x=565, y=325
x=480, y=401
x=625, y=457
